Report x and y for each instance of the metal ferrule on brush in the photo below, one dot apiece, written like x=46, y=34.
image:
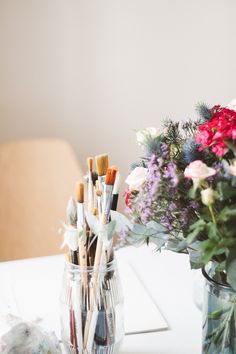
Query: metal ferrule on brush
x=107, y=202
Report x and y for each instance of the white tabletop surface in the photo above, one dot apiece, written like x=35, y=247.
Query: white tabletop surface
x=35, y=285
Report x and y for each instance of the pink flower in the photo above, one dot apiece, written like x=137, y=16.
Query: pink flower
x=219, y=149
x=202, y=137
x=198, y=170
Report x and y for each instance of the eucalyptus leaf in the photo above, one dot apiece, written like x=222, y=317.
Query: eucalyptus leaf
x=177, y=245
x=122, y=221
x=106, y=231
x=159, y=240
x=136, y=239
x=156, y=226
x=195, y=259
x=139, y=229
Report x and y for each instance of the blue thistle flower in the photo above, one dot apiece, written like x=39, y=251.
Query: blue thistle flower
x=153, y=145
x=204, y=112
x=190, y=151
x=140, y=163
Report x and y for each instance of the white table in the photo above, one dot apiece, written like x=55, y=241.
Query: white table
x=35, y=285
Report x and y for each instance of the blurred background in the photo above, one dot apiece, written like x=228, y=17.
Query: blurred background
x=91, y=72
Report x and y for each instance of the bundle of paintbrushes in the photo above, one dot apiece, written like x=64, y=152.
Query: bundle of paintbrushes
x=91, y=300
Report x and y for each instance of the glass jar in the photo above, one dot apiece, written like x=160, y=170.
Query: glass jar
x=92, y=319
x=219, y=315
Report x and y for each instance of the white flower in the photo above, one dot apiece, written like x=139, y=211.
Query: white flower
x=142, y=135
x=198, y=170
x=207, y=196
x=232, y=105
x=136, y=178
x=232, y=168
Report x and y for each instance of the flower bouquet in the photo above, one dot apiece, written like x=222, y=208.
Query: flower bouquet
x=182, y=197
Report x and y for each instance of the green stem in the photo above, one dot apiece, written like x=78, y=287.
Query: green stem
x=212, y=214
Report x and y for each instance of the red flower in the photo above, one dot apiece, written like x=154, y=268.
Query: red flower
x=220, y=129
x=127, y=196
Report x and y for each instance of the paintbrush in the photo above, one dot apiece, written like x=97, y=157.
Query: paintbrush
x=71, y=216
x=90, y=184
x=98, y=197
x=102, y=166
x=81, y=224
x=115, y=193
x=108, y=189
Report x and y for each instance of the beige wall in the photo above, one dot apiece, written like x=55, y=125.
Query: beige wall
x=92, y=71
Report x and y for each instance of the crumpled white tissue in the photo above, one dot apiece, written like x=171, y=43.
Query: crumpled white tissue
x=23, y=337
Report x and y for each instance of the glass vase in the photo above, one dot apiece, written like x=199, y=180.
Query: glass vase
x=219, y=315
x=91, y=309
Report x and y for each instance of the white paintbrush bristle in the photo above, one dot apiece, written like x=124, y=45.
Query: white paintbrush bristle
x=117, y=184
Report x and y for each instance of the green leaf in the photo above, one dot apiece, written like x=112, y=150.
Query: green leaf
x=231, y=267
x=195, y=229
x=198, y=224
x=227, y=213
x=221, y=267
x=224, y=191
x=195, y=259
x=208, y=248
x=212, y=230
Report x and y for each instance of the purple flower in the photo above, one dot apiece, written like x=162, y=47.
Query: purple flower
x=149, y=194
x=170, y=173
x=184, y=217
x=167, y=222
x=194, y=204
x=164, y=150
x=172, y=207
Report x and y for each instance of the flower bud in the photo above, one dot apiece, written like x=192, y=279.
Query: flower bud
x=207, y=196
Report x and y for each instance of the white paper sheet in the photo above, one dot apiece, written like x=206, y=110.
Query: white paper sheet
x=141, y=313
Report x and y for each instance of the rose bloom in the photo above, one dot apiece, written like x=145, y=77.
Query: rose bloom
x=207, y=196
x=198, y=170
x=136, y=178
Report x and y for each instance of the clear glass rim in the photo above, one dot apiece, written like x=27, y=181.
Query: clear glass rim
x=216, y=283
x=105, y=268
